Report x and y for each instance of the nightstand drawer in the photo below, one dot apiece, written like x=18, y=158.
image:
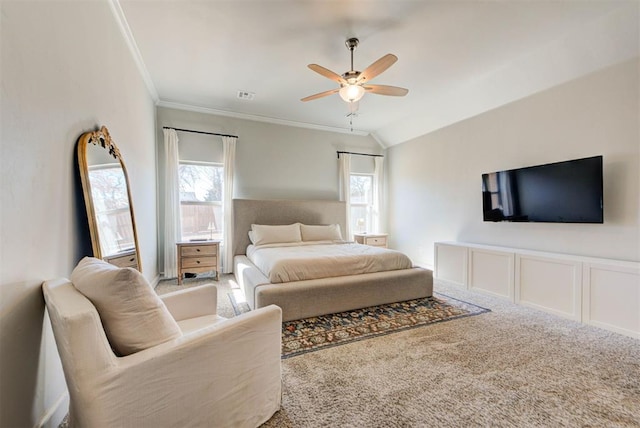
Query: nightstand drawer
x=126, y=260
x=199, y=250
x=192, y=262
x=379, y=241
x=372, y=239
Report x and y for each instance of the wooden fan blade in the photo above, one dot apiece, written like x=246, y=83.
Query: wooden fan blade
x=320, y=95
x=386, y=90
x=327, y=73
x=377, y=67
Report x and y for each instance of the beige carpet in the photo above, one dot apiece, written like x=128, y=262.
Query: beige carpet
x=512, y=367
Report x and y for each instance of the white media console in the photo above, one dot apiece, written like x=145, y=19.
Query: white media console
x=600, y=292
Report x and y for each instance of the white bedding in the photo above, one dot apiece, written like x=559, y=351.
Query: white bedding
x=312, y=260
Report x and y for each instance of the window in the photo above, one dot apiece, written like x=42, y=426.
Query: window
x=201, y=187
x=361, y=202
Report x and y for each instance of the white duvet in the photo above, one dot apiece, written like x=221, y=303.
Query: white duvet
x=312, y=260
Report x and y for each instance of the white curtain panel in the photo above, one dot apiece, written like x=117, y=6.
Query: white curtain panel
x=344, y=161
x=227, y=233
x=378, y=193
x=172, y=232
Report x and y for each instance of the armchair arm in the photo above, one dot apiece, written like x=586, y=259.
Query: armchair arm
x=228, y=374
x=192, y=302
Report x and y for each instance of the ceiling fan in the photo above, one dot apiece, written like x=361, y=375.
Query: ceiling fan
x=353, y=84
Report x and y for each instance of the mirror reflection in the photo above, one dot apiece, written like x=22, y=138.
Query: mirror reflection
x=108, y=201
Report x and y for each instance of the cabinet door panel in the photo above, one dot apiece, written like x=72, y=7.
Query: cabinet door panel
x=550, y=284
x=491, y=272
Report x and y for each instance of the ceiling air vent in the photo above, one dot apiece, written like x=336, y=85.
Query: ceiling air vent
x=244, y=95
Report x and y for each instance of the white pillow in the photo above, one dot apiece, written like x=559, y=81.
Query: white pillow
x=267, y=234
x=330, y=232
x=133, y=316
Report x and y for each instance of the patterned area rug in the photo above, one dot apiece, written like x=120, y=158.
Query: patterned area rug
x=312, y=334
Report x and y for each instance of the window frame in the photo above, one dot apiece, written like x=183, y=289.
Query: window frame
x=368, y=206
x=220, y=203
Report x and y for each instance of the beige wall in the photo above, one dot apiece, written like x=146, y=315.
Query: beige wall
x=435, y=180
x=65, y=70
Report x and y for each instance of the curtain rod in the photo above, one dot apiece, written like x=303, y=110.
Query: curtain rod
x=200, y=132
x=360, y=154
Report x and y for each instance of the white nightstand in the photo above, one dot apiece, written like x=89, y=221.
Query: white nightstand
x=373, y=239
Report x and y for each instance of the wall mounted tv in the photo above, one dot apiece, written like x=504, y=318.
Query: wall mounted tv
x=561, y=192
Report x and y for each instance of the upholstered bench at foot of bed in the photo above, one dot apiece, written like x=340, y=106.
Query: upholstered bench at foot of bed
x=303, y=299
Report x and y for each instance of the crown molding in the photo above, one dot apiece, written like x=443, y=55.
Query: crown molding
x=121, y=20
x=257, y=118
x=118, y=13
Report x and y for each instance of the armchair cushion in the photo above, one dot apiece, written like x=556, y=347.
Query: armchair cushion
x=133, y=316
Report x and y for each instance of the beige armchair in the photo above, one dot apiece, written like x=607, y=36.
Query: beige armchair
x=217, y=373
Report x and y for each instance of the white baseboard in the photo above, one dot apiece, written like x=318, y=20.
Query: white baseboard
x=155, y=281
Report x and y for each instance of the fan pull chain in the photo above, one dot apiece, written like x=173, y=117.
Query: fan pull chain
x=353, y=109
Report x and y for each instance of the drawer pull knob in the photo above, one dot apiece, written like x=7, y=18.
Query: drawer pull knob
x=132, y=259
x=198, y=261
x=198, y=249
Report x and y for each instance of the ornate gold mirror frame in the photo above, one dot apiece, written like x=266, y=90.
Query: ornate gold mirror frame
x=107, y=196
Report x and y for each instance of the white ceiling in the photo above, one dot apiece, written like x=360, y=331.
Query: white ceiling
x=457, y=58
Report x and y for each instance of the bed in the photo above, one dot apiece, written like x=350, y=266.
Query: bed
x=303, y=295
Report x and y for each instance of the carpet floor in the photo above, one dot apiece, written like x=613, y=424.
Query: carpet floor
x=511, y=367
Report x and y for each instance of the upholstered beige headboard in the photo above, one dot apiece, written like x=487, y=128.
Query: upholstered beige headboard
x=260, y=211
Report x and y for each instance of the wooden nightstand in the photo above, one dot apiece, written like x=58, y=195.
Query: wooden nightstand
x=198, y=257
x=373, y=239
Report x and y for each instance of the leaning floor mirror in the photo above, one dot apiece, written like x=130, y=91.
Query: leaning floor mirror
x=107, y=197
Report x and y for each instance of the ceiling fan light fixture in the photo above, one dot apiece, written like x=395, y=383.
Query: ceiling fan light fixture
x=351, y=93
x=352, y=83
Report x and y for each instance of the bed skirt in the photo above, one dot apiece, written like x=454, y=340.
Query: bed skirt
x=303, y=299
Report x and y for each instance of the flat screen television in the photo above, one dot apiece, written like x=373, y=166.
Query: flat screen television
x=561, y=192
